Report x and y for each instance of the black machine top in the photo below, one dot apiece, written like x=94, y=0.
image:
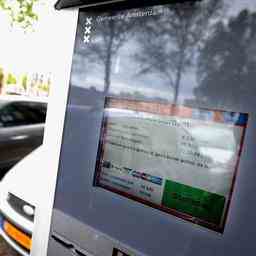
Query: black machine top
x=78, y=3
x=61, y=4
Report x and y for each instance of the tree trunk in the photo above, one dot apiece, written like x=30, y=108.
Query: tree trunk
x=108, y=61
x=180, y=67
x=107, y=80
x=177, y=81
x=177, y=87
x=1, y=83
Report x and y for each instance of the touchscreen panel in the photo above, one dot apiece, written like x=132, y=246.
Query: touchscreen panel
x=177, y=159
x=154, y=160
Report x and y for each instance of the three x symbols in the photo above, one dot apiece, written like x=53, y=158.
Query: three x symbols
x=87, y=30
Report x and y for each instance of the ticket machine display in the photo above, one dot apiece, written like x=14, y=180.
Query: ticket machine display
x=158, y=148
x=177, y=159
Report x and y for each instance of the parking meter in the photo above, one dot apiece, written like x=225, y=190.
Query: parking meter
x=157, y=153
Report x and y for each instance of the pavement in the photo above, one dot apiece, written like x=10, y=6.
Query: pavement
x=6, y=250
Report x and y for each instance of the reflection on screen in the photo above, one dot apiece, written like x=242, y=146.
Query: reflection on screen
x=177, y=159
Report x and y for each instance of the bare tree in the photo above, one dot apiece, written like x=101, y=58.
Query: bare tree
x=169, y=42
x=110, y=35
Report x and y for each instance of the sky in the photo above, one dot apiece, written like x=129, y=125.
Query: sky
x=152, y=85
x=238, y=5
x=27, y=52
x=32, y=52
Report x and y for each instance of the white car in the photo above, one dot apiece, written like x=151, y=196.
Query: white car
x=19, y=196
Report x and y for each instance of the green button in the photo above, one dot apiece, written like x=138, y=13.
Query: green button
x=193, y=201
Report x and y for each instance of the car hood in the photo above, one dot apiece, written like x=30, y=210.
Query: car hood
x=23, y=180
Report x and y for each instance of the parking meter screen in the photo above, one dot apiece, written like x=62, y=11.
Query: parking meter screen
x=158, y=148
x=177, y=159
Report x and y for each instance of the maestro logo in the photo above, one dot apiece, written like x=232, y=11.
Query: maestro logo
x=87, y=30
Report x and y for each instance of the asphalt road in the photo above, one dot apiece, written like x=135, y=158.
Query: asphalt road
x=5, y=249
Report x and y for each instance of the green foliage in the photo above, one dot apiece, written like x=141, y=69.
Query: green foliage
x=1, y=76
x=45, y=87
x=21, y=12
x=11, y=79
x=24, y=81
